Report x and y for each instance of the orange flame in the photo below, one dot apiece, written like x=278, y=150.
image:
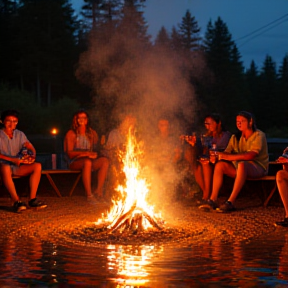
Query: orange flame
x=136, y=189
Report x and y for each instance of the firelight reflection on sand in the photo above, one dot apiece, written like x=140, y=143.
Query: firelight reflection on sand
x=133, y=196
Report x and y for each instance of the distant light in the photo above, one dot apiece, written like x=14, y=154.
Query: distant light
x=54, y=131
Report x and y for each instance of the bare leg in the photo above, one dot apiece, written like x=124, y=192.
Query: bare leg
x=101, y=164
x=240, y=179
x=198, y=174
x=282, y=184
x=6, y=175
x=196, y=168
x=34, y=170
x=84, y=164
x=207, y=172
x=221, y=168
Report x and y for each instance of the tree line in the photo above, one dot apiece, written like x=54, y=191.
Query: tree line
x=54, y=61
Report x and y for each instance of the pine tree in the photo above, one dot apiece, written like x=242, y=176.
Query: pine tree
x=46, y=44
x=162, y=38
x=189, y=32
x=227, y=93
x=95, y=12
x=282, y=92
x=110, y=65
x=268, y=106
x=252, y=82
x=132, y=23
x=176, y=40
x=8, y=11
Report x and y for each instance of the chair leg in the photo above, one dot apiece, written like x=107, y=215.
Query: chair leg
x=270, y=195
x=75, y=184
x=53, y=185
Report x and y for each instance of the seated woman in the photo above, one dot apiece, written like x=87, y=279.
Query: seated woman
x=203, y=169
x=15, y=163
x=245, y=156
x=80, y=145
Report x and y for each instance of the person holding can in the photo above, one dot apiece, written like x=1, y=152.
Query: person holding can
x=216, y=138
x=17, y=158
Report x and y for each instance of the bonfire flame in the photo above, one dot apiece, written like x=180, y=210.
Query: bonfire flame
x=132, y=211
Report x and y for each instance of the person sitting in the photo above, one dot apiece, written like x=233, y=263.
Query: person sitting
x=201, y=167
x=282, y=185
x=164, y=157
x=15, y=163
x=245, y=156
x=80, y=145
x=116, y=146
x=117, y=138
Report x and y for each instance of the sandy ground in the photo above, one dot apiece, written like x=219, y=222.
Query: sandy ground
x=73, y=218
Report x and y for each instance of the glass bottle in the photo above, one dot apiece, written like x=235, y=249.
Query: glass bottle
x=213, y=154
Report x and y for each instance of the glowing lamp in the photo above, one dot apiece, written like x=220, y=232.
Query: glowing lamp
x=54, y=131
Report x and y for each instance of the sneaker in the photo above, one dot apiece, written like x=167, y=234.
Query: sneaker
x=226, y=207
x=19, y=206
x=35, y=203
x=209, y=205
x=283, y=223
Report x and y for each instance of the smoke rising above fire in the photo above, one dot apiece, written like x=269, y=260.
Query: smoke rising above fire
x=130, y=75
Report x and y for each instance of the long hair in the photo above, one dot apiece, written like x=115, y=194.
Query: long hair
x=75, y=125
x=249, y=116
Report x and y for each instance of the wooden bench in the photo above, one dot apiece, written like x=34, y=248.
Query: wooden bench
x=263, y=180
x=51, y=172
x=48, y=174
x=273, y=168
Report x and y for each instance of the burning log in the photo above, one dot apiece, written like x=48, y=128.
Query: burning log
x=133, y=219
x=122, y=219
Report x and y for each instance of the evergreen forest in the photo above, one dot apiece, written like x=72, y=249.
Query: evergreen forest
x=54, y=62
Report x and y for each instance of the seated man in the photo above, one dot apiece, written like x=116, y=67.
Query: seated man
x=164, y=160
x=282, y=184
x=14, y=163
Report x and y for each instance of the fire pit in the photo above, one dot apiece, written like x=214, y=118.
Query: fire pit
x=131, y=212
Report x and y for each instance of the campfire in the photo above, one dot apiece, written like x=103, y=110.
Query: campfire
x=132, y=212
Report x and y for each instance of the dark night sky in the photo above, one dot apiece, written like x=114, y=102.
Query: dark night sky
x=259, y=27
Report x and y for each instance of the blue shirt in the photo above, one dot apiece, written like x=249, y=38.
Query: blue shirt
x=11, y=147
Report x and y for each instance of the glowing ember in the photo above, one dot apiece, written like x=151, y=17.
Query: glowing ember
x=132, y=211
